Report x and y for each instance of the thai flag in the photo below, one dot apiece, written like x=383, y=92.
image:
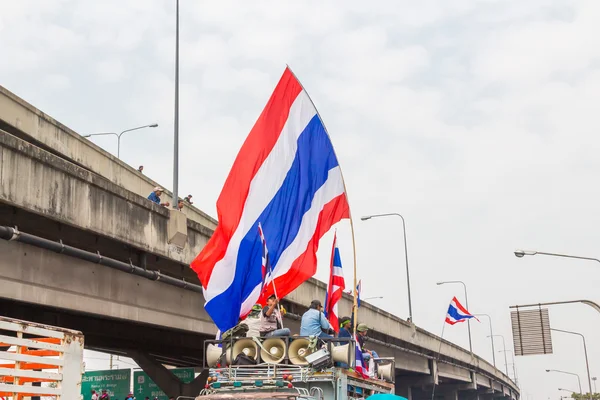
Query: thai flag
x=266, y=266
x=457, y=313
x=359, y=365
x=335, y=288
x=286, y=176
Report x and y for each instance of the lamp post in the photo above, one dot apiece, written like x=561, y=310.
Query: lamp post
x=176, y=119
x=513, y=364
x=594, y=379
x=491, y=336
x=467, y=304
x=118, y=135
x=568, y=373
x=367, y=217
x=504, y=347
x=567, y=390
x=372, y=298
x=587, y=364
x=523, y=253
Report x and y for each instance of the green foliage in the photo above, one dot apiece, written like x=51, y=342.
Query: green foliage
x=586, y=396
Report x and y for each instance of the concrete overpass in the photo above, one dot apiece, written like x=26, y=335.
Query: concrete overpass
x=92, y=253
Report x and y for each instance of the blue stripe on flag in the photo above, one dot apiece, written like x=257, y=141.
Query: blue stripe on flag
x=281, y=218
x=454, y=313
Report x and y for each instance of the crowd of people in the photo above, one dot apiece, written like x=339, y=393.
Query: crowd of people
x=158, y=191
x=105, y=396
x=267, y=322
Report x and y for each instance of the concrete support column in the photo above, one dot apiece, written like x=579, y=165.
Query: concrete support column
x=450, y=395
x=403, y=388
x=165, y=380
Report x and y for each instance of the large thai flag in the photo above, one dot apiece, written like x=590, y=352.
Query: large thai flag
x=457, y=313
x=335, y=288
x=286, y=176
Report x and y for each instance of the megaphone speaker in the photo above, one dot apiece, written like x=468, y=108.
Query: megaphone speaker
x=384, y=371
x=213, y=354
x=341, y=354
x=246, y=346
x=298, y=351
x=275, y=351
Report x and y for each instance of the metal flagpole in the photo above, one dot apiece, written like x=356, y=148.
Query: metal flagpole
x=176, y=127
x=437, y=358
x=355, y=304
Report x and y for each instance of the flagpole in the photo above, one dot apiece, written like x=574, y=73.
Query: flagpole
x=355, y=304
x=437, y=359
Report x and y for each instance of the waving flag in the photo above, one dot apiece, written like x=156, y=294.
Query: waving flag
x=457, y=313
x=358, y=288
x=335, y=288
x=286, y=176
x=359, y=365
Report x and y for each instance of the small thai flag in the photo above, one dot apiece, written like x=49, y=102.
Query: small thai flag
x=359, y=365
x=266, y=265
x=457, y=313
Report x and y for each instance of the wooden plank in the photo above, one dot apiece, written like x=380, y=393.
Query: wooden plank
x=41, y=343
x=9, y=389
x=31, y=359
x=32, y=330
x=30, y=374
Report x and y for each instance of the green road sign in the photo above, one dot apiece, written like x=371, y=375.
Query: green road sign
x=116, y=382
x=144, y=387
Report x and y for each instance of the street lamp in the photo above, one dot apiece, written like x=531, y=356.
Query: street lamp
x=587, y=364
x=118, y=135
x=568, y=373
x=594, y=379
x=176, y=114
x=367, y=217
x=467, y=304
x=504, y=347
x=372, y=298
x=513, y=363
x=491, y=334
x=590, y=303
x=523, y=253
x=567, y=390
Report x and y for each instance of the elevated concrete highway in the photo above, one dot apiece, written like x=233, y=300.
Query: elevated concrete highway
x=59, y=187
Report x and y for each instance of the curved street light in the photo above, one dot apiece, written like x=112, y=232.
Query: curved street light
x=466, y=304
x=568, y=373
x=504, y=348
x=523, y=253
x=118, y=135
x=491, y=336
x=367, y=217
x=587, y=364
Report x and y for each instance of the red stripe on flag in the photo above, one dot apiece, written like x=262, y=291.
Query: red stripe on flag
x=254, y=151
x=460, y=307
x=305, y=265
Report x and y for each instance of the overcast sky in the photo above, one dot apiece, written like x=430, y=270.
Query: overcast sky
x=476, y=120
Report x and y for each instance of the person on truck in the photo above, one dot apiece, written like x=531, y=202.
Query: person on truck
x=94, y=395
x=362, y=330
x=345, y=328
x=314, y=322
x=105, y=396
x=270, y=320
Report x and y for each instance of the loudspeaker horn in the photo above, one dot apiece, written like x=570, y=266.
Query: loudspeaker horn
x=384, y=371
x=298, y=351
x=341, y=354
x=246, y=346
x=275, y=351
x=213, y=354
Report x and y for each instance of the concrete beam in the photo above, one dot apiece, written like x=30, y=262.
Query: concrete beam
x=483, y=381
x=165, y=380
x=34, y=275
x=24, y=119
x=42, y=183
x=454, y=372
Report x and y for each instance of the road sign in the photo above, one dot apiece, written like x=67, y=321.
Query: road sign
x=117, y=383
x=531, y=332
x=144, y=387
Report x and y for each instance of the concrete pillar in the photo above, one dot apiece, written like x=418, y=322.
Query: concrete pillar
x=450, y=395
x=165, y=380
x=403, y=389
